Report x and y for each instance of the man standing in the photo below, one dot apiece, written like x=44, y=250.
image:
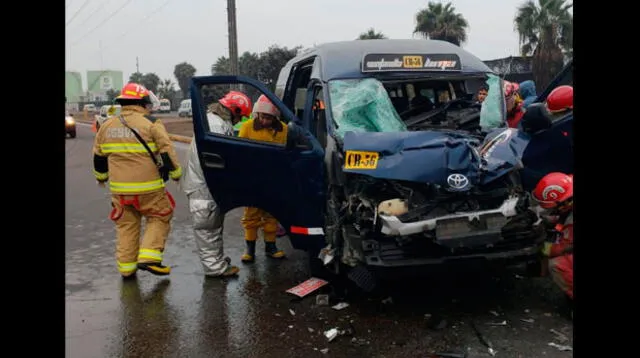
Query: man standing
x=207, y=219
x=137, y=170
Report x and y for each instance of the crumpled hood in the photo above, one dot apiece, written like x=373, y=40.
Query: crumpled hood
x=424, y=157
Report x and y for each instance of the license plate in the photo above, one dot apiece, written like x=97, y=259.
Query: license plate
x=412, y=61
x=361, y=160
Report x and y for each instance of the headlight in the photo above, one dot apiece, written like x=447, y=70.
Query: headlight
x=70, y=120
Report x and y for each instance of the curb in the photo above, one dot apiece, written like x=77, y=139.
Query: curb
x=173, y=137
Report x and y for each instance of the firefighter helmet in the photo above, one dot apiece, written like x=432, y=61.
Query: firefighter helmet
x=560, y=99
x=237, y=102
x=553, y=190
x=133, y=91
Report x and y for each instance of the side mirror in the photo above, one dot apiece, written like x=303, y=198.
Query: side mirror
x=296, y=139
x=536, y=118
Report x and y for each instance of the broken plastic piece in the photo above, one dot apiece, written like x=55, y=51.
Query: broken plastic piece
x=527, y=320
x=307, y=287
x=327, y=255
x=503, y=323
x=387, y=301
x=292, y=312
x=331, y=334
x=340, y=306
x=322, y=300
x=492, y=351
x=560, y=346
x=324, y=350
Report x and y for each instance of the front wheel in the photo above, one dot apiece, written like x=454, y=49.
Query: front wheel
x=72, y=134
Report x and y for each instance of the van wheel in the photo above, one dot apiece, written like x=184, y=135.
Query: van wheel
x=72, y=134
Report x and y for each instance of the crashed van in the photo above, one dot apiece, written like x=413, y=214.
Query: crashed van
x=390, y=162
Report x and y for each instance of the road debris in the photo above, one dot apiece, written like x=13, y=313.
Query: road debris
x=527, y=320
x=331, y=334
x=387, y=301
x=495, y=313
x=307, y=287
x=437, y=323
x=559, y=335
x=311, y=330
x=359, y=341
x=560, y=347
x=503, y=323
x=290, y=326
x=322, y=300
x=483, y=339
x=324, y=350
x=326, y=255
x=340, y=306
x=293, y=313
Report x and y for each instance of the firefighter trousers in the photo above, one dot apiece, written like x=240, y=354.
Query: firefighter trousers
x=254, y=219
x=561, y=270
x=128, y=211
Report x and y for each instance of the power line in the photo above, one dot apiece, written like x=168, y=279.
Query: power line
x=137, y=25
x=94, y=12
x=102, y=23
x=77, y=12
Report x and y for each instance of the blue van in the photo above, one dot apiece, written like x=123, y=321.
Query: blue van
x=390, y=162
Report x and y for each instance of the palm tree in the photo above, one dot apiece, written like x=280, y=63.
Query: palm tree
x=545, y=29
x=438, y=22
x=371, y=34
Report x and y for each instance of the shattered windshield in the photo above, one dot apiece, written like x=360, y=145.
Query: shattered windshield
x=363, y=105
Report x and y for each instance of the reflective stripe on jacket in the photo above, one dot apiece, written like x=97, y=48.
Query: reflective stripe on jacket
x=130, y=167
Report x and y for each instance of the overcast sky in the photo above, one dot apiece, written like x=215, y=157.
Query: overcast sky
x=110, y=34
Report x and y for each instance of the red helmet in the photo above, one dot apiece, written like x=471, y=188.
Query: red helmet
x=560, y=99
x=133, y=91
x=553, y=189
x=237, y=102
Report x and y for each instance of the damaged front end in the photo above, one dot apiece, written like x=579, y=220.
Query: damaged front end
x=428, y=198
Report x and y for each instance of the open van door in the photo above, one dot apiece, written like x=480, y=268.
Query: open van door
x=285, y=180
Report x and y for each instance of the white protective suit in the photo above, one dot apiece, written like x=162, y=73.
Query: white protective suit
x=207, y=219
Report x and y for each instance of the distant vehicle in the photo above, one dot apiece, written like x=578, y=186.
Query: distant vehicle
x=107, y=111
x=165, y=106
x=185, y=108
x=70, y=125
x=90, y=108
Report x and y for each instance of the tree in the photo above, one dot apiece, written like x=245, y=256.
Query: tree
x=136, y=77
x=438, y=22
x=371, y=34
x=545, y=31
x=112, y=94
x=166, y=89
x=183, y=72
x=151, y=81
x=271, y=62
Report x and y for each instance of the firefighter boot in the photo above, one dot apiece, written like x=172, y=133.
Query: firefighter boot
x=250, y=254
x=272, y=251
x=156, y=268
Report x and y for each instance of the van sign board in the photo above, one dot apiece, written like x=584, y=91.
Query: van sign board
x=374, y=62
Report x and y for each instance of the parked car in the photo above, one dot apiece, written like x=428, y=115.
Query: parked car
x=165, y=106
x=90, y=108
x=107, y=111
x=185, y=108
x=397, y=171
x=70, y=125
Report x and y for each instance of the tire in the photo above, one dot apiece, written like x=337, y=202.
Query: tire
x=72, y=134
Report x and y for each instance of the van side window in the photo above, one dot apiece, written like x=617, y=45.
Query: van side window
x=295, y=95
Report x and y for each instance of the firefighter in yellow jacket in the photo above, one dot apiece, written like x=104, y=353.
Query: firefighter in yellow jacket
x=264, y=126
x=137, y=180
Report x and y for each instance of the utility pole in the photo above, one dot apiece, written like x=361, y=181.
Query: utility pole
x=233, y=38
x=137, y=65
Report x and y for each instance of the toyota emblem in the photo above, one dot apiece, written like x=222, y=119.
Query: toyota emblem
x=457, y=181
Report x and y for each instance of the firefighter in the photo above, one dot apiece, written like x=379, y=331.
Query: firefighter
x=207, y=219
x=554, y=194
x=514, y=104
x=560, y=100
x=264, y=126
x=137, y=180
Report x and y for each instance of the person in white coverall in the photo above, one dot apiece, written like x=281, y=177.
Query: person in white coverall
x=207, y=219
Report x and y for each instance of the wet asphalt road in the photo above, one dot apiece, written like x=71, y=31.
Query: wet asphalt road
x=186, y=315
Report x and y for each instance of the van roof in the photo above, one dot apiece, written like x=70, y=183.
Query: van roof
x=344, y=59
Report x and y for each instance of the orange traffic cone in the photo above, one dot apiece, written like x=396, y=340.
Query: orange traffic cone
x=93, y=127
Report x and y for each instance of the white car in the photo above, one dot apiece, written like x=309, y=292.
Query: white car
x=185, y=108
x=90, y=108
x=165, y=106
x=107, y=111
